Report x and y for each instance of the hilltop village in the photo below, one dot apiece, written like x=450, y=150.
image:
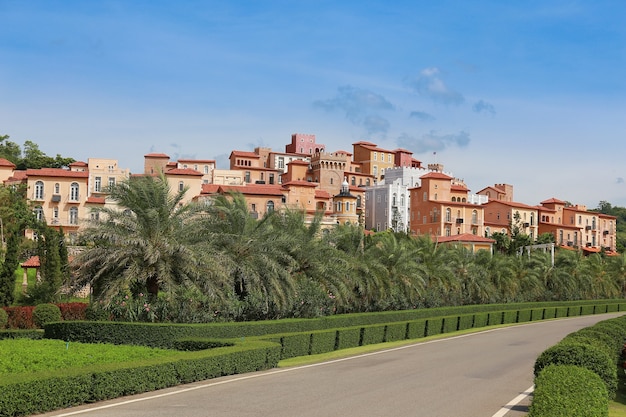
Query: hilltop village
x=376, y=188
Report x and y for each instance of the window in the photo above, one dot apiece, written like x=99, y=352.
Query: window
x=181, y=186
x=38, y=213
x=55, y=215
x=375, y=171
x=57, y=188
x=206, y=169
x=338, y=206
x=73, y=215
x=111, y=182
x=474, y=217
x=271, y=178
x=281, y=162
x=39, y=190
x=97, y=186
x=247, y=177
x=253, y=207
x=448, y=216
x=74, y=191
x=347, y=206
x=389, y=158
x=358, y=202
x=375, y=156
x=353, y=181
x=95, y=215
x=270, y=206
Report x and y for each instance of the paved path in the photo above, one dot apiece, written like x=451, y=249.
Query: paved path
x=473, y=375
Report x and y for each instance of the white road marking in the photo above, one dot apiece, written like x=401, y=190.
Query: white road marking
x=514, y=402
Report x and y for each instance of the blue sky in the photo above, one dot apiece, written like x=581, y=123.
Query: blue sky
x=529, y=93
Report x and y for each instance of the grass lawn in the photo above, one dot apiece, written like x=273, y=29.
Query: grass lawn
x=27, y=356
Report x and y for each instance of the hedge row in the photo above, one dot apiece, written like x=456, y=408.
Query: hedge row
x=41, y=392
x=562, y=371
x=436, y=321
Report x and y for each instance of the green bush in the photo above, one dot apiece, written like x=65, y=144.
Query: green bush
x=587, y=356
x=569, y=391
x=46, y=313
x=4, y=318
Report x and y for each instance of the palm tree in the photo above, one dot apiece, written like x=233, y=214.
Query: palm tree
x=143, y=243
x=255, y=255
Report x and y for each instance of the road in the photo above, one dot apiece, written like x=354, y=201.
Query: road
x=472, y=375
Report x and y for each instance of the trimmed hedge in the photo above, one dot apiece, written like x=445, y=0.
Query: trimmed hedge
x=569, y=391
x=584, y=355
x=40, y=392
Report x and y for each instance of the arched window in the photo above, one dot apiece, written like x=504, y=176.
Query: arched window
x=74, y=191
x=401, y=200
x=73, y=215
x=474, y=217
x=487, y=231
x=181, y=186
x=39, y=190
x=347, y=206
x=358, y=201
x=393, y=199
x=57, y=188
x=269, y=206
x=448, y=216
x=353, y=181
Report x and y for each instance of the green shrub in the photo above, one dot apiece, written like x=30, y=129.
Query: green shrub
x=4, y=318
x=46, y=313
x=587, y=356
x=569, y=391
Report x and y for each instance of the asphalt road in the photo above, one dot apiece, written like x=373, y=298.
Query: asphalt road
x=473, y=375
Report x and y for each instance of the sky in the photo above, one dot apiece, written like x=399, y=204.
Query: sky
x=528, y=93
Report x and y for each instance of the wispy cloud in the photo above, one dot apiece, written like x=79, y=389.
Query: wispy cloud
x=360, y=106
x=482, y=106
x=422, y=116
x=619, y=180
x=433, y=141
x=429, y=83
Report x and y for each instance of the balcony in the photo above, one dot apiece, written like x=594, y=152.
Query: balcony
x=459, y=221
x=587, y=227
x=56, y=198
x=606, y=232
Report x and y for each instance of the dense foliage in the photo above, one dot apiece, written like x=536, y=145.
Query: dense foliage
x=155, y=258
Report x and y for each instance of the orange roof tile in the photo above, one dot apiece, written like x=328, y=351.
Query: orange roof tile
x=32, y=262
x=56, y=172
x=301, y=183
x=246, y=154
x=184, y=171
x=322, y=194
x=254, y=189
x=156, y=155
x=96, y=200
x=437, y=175
x=6, y=163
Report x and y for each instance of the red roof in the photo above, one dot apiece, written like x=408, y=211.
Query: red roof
x=32, y=262
x=245, y=154
x=437, y=175
x=552, y=201
x=321, y=194
x=96, y=200
x=156, y=155
x=79, y=164
x=253, y=189
x=198, y=161
x=6, y=163
x=184, y=171
x=210, y=188
x=301, y=183
x=56, y=172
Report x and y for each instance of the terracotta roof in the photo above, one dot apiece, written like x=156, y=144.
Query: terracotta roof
x=156, y=155
x=456, y=187
x=322, y=194
x=403, y=151
x=32, y=262
x=246, y=154
x=465, y=237
x=96, y=200
x=591, y=249
x=298, y=162
x=210, y=188
x=6, y=163
x=552, y=201
x=56, y=172
x=184, y=171
x=79, y=164
x=18, y=176
x=437, y=175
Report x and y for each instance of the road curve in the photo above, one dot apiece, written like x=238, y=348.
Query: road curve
x=472, y=375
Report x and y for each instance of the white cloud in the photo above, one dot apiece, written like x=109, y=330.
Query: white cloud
x=429, y=83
